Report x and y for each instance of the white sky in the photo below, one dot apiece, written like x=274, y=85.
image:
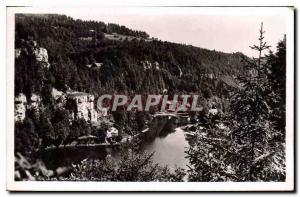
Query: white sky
x=222, y=33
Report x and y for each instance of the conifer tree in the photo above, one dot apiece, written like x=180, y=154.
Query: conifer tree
x=244, y=145
x=259, y=156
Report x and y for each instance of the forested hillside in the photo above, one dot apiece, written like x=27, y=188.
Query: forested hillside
x=63, y=65
x=141, y=64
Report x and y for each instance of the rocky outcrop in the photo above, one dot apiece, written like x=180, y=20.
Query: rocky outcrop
x=31, y=48
x=81, y=105
x=59, y=97
x=103, y=112
x=18, y=53
x=35, y=101
x=213, y=111
x=112, y=132
x=21, y=51
x=41, y=55
x=20, y=107
x=149, y=65
x=95, y=65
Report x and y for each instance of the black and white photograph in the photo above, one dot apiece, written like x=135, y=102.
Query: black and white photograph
x=150, y=99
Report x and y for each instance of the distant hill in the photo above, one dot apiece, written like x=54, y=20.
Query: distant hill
x=95, y=57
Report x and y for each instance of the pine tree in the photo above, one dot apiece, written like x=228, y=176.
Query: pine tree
x=244, y=145
x=277, y=78
x=26, y=138
x=133, y=164
x=259, y=156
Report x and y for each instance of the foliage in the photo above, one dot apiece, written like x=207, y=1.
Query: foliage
x=26, y=139
x=132, y=165
x=209, y=155
x=250, y=148
x=254, y=136
x=100, y=132
x=245, y=143
x=122, y=68
x=28, y=170
x=80, y=127
x=29, y=76
x=277, y=78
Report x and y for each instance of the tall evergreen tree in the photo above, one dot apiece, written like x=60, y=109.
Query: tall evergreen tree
x=260, y=157
x=248, y=148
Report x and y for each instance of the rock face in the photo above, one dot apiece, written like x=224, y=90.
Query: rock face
x=112, y=132
x=81, y=105
x=148, y=65
x=31, y=48
x=103, y=112
x=59, y=97
x=18, y=53
x=213, y=111
x=20, y=107
x=41, y=55
x=35, y=101
x=95, y=65
x=56, y=94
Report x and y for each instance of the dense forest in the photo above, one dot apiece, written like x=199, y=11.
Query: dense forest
x=181, y=67
x=250, y=149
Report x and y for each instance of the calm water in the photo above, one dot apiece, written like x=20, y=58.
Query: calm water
x=169, y=150
x=166, y=141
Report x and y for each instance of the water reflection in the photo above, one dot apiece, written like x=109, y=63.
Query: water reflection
x=168, y=142
x=58, y=157
x=169, y=150
x=164, y=138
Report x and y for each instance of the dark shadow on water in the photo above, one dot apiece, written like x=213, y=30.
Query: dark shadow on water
x=67, y=156
x=160, y=127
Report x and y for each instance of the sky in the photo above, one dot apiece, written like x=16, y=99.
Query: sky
x=215, y=32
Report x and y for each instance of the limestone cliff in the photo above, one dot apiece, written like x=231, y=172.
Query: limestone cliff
x=31, y=48
x=21, y=105
x=35, y=101
x=81, y=105
x=41, y=56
